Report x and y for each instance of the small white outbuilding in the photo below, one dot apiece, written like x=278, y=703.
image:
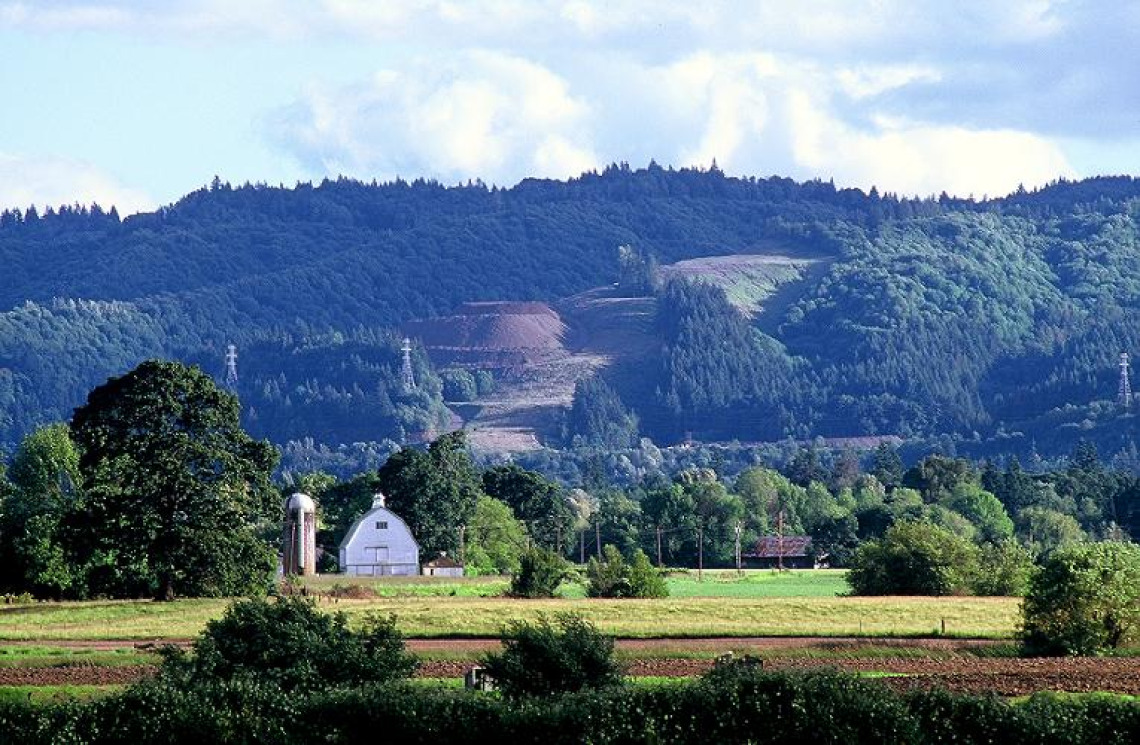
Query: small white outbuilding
x=379, y=544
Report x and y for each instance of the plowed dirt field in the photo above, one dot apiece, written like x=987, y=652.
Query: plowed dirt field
x=951, y=665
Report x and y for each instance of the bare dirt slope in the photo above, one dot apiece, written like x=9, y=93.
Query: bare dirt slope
x=538, y=352
x=748, y=280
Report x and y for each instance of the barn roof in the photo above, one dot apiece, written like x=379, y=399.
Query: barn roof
x=771, y=547
x=371, y=514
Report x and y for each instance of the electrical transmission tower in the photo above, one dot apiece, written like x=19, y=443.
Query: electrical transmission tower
x=407, y=378
x=231, y=368
x=1124, y=394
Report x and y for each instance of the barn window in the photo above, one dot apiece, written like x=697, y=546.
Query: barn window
x=381, y=524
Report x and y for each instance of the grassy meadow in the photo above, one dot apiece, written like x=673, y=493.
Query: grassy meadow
x=761, y=603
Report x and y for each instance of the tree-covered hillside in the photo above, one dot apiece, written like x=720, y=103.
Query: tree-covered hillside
x=1003, y=318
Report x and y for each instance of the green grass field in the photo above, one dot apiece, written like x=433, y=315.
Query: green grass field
x=714, y=583
x=56, y=694
x=47, y=656
x=761, y=603
x=759, y=584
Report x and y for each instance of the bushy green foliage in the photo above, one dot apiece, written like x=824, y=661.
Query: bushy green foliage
x=716, y=369
x=598, y=416
x=495, y=539
x=334, y=387
x=736, y=705
x=44, y=491
x=546, y=657
x=458, y=385
x=614, y=577
x=1049, y=529
x=175, y=492
x=914, y=558
x=983, y=510
x=537, y=501
x=540, y=573
x=849, y=352
x=484, y=382
x=1085, y=599
x=291, y=643
x=434, y=492
x=1004, y=569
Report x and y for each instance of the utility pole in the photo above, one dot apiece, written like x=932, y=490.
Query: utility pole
x=462, y=544
x=738, y=529
x=700, y=552
x=598, y=538
x=582, y=547
x=1124, y=393
x=659, y=564
x=780, y=540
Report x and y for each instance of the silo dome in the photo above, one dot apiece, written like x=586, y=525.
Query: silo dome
x=302, y=502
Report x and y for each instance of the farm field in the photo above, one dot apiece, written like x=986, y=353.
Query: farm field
x=716, y=583
x=759, y=604
x=791, y=620
x=920, y=664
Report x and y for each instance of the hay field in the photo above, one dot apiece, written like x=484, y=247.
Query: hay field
x=760, y=604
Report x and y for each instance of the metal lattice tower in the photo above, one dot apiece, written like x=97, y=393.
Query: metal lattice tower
x=1124, y=394
x=231, y=367
x=407, y=378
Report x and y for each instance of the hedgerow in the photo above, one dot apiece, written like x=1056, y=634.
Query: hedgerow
x=734, y=705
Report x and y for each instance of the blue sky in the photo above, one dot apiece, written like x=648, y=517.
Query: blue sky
x=135, y=103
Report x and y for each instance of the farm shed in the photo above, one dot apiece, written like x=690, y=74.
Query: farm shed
x=379, y=544
x=443, y=566
x=792, y=551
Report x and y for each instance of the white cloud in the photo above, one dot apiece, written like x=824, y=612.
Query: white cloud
x=911, y=95
x=501, y=118
x=865, y=82
x=765, y=114
x=476, y=115
x=65, y=16
x=45, y=182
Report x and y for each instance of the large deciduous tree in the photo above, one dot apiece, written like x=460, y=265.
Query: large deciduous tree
x=535, y=500
x=434, y=491
x=1085, y=599
x=495, y=539
x=177, y=495
x=914, y=558
x=44, y=488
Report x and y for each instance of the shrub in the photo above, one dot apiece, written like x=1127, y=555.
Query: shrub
x=540, y=573
x=734, y=705
x=1006, y=568
x=645, y=580
x=914, y=558
x=458, y=385
x=291, y=643
x=484, y=382
x=613, y=577
x=543, y=658
x=1084, y=600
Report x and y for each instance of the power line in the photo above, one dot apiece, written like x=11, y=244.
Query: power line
x=407, y=376
x=1124, y=392
x=231, y=368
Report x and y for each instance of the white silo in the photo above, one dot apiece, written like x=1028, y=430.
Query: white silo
x=299, y=539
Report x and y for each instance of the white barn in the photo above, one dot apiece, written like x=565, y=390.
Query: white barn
x=379, y=544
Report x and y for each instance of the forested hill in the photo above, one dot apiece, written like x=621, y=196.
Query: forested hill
x=935, y=315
